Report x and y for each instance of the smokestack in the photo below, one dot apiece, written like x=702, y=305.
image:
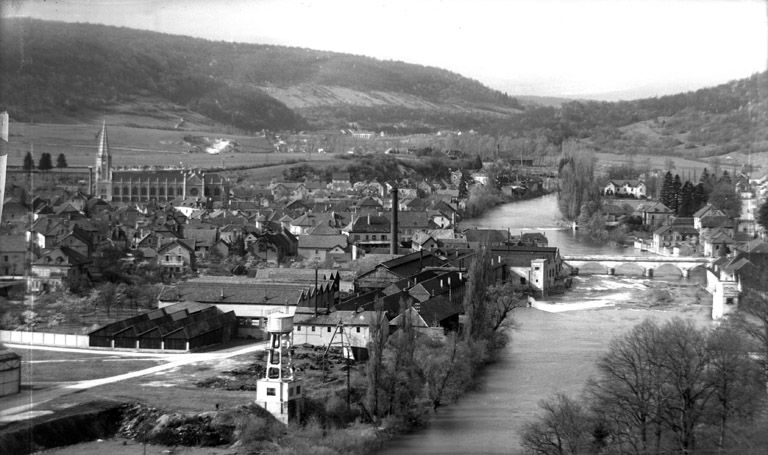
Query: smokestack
x=393, y=245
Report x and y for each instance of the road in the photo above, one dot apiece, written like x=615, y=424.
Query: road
x=23, y=406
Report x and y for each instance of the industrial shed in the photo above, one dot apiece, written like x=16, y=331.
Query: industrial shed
x=10, y=371
x=184, y=326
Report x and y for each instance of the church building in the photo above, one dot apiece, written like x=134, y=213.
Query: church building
x=143, y=186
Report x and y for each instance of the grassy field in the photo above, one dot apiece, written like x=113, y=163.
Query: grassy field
x=133, y=146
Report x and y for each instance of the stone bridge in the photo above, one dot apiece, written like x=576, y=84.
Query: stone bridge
x=647, y=263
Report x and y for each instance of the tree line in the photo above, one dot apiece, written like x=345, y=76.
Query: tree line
x=663, y=388
x=409, y=374
x=45, y=163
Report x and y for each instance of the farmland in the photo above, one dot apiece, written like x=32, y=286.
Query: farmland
x=133, y=146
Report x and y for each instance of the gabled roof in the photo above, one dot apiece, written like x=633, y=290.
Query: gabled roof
x=72, y=257
x=322, y=242
x=656, y=207
x=324, y=229
x=705, y=210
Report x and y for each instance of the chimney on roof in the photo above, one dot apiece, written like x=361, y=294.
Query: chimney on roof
x=222, y=293
x=394, y=241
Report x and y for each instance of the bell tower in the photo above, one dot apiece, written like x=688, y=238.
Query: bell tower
x=280, y=392
x=103, y=180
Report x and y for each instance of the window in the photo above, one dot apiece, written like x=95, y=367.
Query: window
x=290, y=392
x=313, y=328
x=178, y=258
x=167, y=258
x=328, y=330
x=373, y=237
x=298, y=328
x=357, y=329
x=298, y=389
x=271, y=391
x=5, y=258
x=383, y=237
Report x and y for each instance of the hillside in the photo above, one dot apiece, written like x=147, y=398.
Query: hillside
x=55, y=71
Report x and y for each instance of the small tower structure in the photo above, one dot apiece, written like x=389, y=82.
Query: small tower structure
x=279, y=392
x=103, y=181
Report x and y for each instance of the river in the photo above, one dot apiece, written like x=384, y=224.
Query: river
x=541, y=215
x=549, y=352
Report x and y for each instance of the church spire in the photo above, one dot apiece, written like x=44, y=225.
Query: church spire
x=103, y=187
x=103, y=141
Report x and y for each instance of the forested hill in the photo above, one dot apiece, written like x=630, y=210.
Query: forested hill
x=731, y=117
x=59, y=68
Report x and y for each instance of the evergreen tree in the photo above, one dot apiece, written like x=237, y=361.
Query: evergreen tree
x=666, y=188
x=478, y=162
x=685, y=201
x=725, y=178
x=762, y=215
x=707, y=182
x=61, y=161
x=45, y=163
x=463, y=190
x=29, y=164
x=674, y=194
x=699, y=198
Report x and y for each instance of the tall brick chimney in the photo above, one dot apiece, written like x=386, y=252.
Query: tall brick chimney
x=393, y=244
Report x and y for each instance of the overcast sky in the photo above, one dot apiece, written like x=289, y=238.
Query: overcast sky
x=607, y=49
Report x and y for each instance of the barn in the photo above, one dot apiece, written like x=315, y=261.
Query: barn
x=10, y=371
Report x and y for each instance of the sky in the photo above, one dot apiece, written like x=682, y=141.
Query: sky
x=602, y=49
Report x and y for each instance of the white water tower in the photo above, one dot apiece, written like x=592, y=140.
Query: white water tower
x=279, y=392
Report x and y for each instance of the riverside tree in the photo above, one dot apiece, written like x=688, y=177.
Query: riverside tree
x=577, y=180
x=662, y=388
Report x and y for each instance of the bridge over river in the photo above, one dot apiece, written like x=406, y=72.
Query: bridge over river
x=608, y=264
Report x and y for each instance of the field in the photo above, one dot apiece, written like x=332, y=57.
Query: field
x=136, y=147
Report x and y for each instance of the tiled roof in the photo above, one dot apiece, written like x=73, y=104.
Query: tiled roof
x=322, y=242
x=13, y=243
x=236, y=290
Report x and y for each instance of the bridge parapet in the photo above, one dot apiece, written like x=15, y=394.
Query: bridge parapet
x=647, y=263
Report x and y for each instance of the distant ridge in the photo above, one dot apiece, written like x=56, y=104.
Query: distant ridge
x=56, y=69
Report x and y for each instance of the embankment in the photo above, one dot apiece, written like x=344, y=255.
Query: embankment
x=85, y=422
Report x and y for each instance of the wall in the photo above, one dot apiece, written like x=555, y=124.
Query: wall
x=50, y=339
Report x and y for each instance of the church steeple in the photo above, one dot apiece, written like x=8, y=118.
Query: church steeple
x=103, y=181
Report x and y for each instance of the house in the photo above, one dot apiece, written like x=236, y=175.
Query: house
x=58, y=268
x=340, y=182
x=671, y=235
x=324, y=330
x=538, y=268
x=717, y=244
x=423, y=241
x=655, y=214
x=176, y=256
x=706, y=211
x=625, y=188
x=13, y=251
x=79, y=240
x=320, y=248
x=369, y=231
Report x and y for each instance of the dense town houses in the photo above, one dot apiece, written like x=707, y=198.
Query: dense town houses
x=329, y=253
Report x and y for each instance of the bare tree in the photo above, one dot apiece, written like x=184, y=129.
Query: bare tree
x=562, y=429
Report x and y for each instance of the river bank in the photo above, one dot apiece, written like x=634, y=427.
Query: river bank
x=549, y=352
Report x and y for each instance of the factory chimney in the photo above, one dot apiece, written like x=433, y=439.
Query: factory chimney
x=393, y=244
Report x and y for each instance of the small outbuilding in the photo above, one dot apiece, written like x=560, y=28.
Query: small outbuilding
x=10, y=371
